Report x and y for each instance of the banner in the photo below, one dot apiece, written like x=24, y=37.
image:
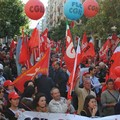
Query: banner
x=58, y=116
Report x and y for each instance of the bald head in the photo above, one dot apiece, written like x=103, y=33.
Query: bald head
x=87, y=83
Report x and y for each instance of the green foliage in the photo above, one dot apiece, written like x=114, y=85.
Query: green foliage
x=100, y=25
x=12, y=17
x=58, y=32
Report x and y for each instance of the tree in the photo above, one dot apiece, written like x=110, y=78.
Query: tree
x=58, y=32
x=101, y=24
x=12, y=17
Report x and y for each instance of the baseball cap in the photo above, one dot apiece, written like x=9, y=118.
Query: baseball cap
x=7, y=83
x=13, y=95
x=1, y=66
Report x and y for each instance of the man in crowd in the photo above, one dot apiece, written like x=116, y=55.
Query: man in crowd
x=60, y=79
x=59, y=104
x=96, y=85
x=83, y=92
x=2, y=78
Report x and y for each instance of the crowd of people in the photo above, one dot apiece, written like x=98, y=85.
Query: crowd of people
x=49, y=93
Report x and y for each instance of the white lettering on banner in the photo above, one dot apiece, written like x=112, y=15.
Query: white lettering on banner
x=70, y=49
x=58, y=116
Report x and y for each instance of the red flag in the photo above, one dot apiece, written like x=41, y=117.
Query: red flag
x=45, y=32
x=84, y=42
x=70, y=51
x=114, y=42
x=115, y=61
x=12, y=48
x=72, y=24
x=89, y=51
x=104, y=50
x=34, y=40
x=40, y=67
x=24, y=56
x=72, y=79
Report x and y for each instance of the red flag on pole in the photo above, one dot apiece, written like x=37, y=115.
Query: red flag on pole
x=89, y=51
x=72, y=80
x=84, y=42
x=24, y=56
x=104, y=50
x=70, y=51
x=34, y=40
x=12, y=48
x=40, y=67
x=115, y=61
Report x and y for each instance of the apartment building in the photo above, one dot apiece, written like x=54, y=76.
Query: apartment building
x=54, y=12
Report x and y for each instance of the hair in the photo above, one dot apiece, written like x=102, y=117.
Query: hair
x=36, y=99
x=109, y=80
x=90, y=69
x=28, y=91
x=87, y=100
x=27, y=82
x=53, y=89
x=58, y=63
x=24, y=66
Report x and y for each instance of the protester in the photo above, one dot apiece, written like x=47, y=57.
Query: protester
x=2, y=99
x=9, y=87
x=90, y=107
x=109, y=98
x=13, y=112
x=27, y=98
x=60, y=79
x=2, y=78
x=59, y=104
x=44, y=85
x=117, y=108
x=83, y=92
x=96, y=85
x=39, y=103
x=23, y=69
x=103, y=71
x=8, y=70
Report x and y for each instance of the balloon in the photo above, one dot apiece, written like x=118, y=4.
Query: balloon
x=73, y=9
x=91, y=8
x=117, y=71
x=34, y=9
x=117, y=83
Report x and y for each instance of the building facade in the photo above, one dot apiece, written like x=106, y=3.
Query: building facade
x=54, y=13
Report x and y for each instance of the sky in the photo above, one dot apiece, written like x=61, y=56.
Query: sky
x=33, y=23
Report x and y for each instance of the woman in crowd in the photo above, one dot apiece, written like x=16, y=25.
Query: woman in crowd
x=39, y=103
x=90, y=107
x=109, y=98
x=9, y=87
x=13, y=112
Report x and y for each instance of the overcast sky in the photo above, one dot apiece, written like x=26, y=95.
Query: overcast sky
x=33, y=23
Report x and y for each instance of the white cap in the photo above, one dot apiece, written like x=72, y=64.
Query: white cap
x=1, y=66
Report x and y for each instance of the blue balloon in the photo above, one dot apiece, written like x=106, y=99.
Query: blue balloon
x=73, y=9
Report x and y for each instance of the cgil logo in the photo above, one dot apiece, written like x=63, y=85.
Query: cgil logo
x=36, y=9
x=93, y=8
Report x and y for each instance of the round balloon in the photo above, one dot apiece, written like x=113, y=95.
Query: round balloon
x=117, y=71
x=34, y=9
x=117, y=83
x=91, y=8
x=73, y=9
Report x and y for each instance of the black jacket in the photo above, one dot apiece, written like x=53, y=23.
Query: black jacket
x=10, y=115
